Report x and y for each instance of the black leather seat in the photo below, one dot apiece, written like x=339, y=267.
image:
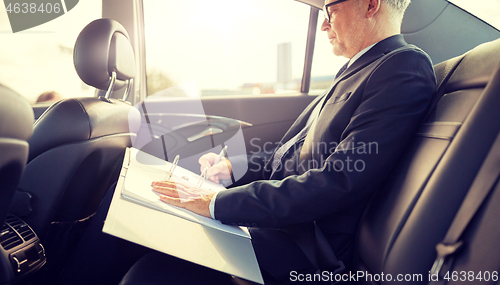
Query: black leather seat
x=16, y=126
x=412, y=213
x=16, y=119
x=77, y=144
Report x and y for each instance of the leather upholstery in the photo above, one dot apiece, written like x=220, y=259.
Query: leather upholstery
x=412, y=212
x=16, y=119
x=476, y=68
x=102, y=47
x=76, y=120
x=16, y=115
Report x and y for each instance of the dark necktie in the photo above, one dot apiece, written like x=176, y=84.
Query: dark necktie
x=283, y=150
x=342, y=69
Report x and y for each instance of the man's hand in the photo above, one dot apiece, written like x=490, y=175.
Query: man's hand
x=220, y=171
x=190, y=198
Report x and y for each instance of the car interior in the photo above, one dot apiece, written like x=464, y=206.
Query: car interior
x=58, y=160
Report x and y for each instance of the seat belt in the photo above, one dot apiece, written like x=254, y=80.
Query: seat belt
x=325, y=255
x=483, y=184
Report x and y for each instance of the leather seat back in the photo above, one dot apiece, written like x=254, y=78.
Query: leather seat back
x=78, y=143
x=76, y=120
x=414, y=209
x=16, y=119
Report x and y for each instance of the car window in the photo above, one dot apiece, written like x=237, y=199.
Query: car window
x=225, y=47
x=39, y=60
x=486, y=10
x=325, y=64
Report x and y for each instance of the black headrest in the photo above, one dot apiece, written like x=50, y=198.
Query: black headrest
x=102, y=47
x=80, y=119
x=16, y=115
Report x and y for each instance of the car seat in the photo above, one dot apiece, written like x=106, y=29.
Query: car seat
x=16, y=119
x=413, y=211
x=77, y=143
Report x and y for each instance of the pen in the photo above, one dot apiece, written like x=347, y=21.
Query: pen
x=221, y=154
x=172, y=168
x=202, y=177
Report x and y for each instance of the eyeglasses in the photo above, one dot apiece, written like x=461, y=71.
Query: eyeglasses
x=325, y=9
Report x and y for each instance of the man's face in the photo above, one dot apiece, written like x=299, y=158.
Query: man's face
x=345, y=29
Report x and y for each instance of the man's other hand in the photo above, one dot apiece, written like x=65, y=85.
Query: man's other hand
x=218, y=172
x=190, y=198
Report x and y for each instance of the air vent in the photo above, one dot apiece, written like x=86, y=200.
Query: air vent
x=14, y=231
x=9, y=237
x=21, y=228
x=26, y=233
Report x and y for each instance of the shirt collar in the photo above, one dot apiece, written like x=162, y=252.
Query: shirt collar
x=359, y=54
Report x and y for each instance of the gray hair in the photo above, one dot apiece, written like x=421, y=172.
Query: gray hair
x=398, y=5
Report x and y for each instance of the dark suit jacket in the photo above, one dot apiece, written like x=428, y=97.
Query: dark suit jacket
x=366, y=122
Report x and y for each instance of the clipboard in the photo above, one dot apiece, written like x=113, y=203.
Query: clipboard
x=197, y=239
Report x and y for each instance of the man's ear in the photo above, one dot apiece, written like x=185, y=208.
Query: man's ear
x=373, y=7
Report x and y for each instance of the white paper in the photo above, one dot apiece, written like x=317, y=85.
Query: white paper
x=138, y=189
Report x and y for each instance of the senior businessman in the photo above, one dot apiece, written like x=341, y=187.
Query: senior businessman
x=306, y=196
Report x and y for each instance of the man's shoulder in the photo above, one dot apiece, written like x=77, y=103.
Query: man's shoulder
x=409, y=50
x=396, y=47
x=392, y=53
x=406, y=64
x=406, y=57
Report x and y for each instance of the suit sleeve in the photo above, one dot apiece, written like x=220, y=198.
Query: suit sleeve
x=256, y=169
x=394, y=99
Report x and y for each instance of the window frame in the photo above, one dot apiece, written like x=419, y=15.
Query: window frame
x=311, y=39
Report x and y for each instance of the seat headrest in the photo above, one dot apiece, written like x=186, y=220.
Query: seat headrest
x=102, y=47
x=16, y=115
x=477, y=67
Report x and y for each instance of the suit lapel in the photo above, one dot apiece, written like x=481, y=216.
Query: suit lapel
x=301, y=121
x=377, y=51
x=380, y=49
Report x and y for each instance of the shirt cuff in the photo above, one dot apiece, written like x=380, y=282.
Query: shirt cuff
x=211, y=206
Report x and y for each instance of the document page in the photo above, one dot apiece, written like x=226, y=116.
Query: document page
x=137, y=188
